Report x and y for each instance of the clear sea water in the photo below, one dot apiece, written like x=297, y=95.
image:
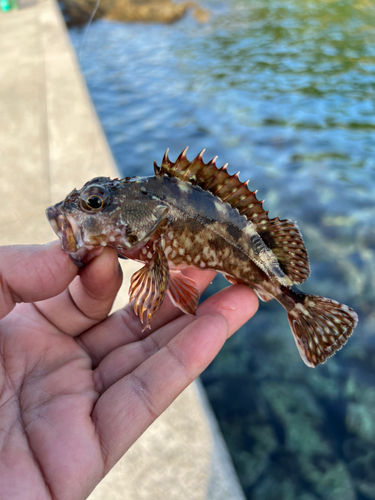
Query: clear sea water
x=284, y=91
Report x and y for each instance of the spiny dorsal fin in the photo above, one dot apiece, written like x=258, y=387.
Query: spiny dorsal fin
x=281, y=236
x=216, y=180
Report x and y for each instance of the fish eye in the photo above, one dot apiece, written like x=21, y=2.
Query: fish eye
x=95, y=202
x=94, y=198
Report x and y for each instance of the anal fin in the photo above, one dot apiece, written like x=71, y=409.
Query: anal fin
x=183, y=292
x=149, y=285
x=262, y=295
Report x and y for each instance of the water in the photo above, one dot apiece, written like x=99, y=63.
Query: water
x=285, y=92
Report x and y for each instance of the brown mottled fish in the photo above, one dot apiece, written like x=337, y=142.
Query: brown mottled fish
x=192, y=214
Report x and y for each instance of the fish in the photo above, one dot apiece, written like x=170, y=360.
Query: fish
x=192, y=214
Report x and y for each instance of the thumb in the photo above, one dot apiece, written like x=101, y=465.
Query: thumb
x=32, y=273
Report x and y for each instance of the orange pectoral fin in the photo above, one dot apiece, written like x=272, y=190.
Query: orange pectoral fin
x=183, y=292
x=148, y=287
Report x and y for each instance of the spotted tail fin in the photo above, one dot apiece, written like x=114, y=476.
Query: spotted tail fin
x=320, y=326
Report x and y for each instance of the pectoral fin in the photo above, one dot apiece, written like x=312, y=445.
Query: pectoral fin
x=149, y=286
x=183, y=292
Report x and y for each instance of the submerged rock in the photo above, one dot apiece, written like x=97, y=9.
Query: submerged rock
x=148, y=11
x=360, y=455
x=360, y=416
x=330, y=480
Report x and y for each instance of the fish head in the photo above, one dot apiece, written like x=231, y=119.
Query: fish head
x=106, y=212
x=89, y=219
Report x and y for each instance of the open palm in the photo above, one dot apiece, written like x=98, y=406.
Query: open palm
x=78, y=387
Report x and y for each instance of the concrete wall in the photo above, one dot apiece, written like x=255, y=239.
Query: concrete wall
x=50, y=142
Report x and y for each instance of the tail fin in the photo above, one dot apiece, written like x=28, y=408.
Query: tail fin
x=320, y=327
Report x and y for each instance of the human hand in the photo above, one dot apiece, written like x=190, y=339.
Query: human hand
x=77, y=388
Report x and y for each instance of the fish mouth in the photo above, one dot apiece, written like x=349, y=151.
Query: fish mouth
x=70, y=237
x=63, y=228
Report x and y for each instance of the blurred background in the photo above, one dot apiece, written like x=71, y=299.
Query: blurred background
x=283, y=90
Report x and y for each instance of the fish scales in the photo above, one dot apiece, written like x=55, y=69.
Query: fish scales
x=215, y=226
x=193, y=214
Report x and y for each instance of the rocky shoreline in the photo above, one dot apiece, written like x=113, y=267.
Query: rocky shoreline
x=148, y=11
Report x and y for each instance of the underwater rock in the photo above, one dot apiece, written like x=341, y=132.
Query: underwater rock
x=307, y=496
x=367, y=489
x=275, y=489
x=254, y=461
x=330, y=480
x=148, y=11
x=360, y=455
x=360, y=420
x=360, y=416
x=300, y=416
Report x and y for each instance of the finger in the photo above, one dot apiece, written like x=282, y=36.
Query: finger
x=128, y=407
x=32, y=273
x=89, y=298
x=124, y=326
x=237, y=304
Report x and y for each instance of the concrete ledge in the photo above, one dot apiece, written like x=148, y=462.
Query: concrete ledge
x=50, y=142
